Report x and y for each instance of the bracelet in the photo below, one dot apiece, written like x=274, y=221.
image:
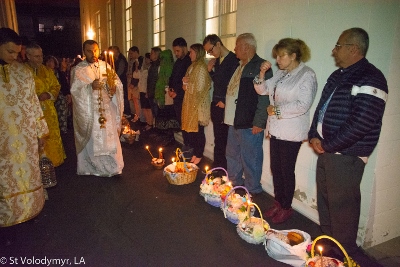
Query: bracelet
x=257, y=80
x=277, y=111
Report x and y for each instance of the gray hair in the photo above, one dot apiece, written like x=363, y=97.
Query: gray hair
x=358, y=37
x=248, y=39
x=32, y=46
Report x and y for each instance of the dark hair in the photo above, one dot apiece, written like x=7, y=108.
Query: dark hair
x=88, y=42
x=179, y=42
x=156, y=49
x=7, y=35
x=134, y=49
x=213, y=39
x=291, y=46
x=48, y=58
x=199, y=49
x=116, y=48
x=358, y=37
x=147, y=55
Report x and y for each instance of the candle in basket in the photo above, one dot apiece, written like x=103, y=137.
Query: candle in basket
x=160, y=155
x=206, y=169
x=320, y=253
x=173, y=162
x=152, y=157
x=248, y=208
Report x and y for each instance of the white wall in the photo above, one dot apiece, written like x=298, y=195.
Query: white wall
x=319, y=23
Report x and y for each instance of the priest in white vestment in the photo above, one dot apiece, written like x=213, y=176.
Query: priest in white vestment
x=97, y=110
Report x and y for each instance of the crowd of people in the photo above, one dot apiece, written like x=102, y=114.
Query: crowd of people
x=158, y=92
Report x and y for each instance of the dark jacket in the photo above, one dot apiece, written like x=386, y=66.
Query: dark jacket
x=352, y=121
x=178, y=72
x=222, y=75
x=152, y=78
x=251, y=108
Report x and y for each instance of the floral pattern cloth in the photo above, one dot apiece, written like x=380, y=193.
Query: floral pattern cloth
x=21, y=124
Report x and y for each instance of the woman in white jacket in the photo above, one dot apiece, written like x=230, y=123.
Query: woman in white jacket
x=291, y=91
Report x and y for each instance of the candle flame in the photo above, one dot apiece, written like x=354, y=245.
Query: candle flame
x=206, y=168
x=160, y=149
x=320, y=249
x=173, y=159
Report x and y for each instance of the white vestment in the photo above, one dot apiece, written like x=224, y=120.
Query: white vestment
x=98, y=149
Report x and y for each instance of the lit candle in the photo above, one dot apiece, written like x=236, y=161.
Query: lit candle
x=147, y=147
x=112, y=60
x=160, y=155
x=206, y=169
x=320, y=252
x=105, y=58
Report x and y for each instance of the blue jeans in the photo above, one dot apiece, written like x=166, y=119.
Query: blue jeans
x=244, y=154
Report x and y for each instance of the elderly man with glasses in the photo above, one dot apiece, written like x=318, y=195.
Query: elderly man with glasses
x=344, y=132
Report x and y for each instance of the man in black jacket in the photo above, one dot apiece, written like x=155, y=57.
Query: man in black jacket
x=181, y=64
x=121, y=68
x=221, y=69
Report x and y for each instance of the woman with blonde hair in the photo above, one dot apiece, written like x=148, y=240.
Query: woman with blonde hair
x=196, y=102
x=291, y=93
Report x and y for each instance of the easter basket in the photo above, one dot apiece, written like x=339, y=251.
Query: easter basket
x=235, y=206
x=211, y=187
x=288, y=246
x=253, y=229
x=158, y=163
x=180, y=172
x=323, y=261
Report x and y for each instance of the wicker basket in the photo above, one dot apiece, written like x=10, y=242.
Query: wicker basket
x=233, y=217
x=180, y=172
x=180, y=178
x=212, y=199
x=320, y=259
x=243, y=229
x=158, y=166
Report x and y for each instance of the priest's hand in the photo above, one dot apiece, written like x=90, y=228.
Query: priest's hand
x=44, y=96
x=96, y=85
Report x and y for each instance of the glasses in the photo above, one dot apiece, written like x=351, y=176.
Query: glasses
x=337, y=46
x=209, y=51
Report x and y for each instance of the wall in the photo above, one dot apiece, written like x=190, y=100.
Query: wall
x=319, y=23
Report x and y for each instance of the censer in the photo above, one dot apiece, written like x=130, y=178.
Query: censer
x=47, y=171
